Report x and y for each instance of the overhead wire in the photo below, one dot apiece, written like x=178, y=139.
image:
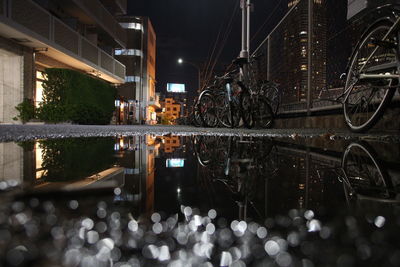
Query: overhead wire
x=266, y=20
x=223, y=43
x=209, y=59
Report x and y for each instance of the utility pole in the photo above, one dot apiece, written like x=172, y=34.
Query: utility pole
x=246, y=9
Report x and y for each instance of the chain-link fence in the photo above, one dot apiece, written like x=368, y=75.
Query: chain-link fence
x=307, y=52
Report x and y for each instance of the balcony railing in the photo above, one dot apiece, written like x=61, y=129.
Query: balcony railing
x=42, y=26
x=103, y=18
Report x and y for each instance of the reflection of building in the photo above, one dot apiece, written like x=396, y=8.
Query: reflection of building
x=137, y=155
x=11, y=163
x=37, y=34
x=169, y=144
x=137, y=95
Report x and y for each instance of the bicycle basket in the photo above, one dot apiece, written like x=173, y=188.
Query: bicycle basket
x=357, y=7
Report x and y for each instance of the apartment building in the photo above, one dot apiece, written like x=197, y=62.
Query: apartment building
x=39, y=34
x=137, y=97
x=171, y=110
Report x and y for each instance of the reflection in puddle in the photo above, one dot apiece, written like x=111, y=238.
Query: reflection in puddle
x=198, y=201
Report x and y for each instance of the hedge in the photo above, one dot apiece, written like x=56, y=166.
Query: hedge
x=71, y=96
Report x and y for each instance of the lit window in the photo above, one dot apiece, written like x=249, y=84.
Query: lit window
x=39, y=88
x=131, y=25
x=303, y=33
x=128, y=52
x=131, y=79
x=303, y=67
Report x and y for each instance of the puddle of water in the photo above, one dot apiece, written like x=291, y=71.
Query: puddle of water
x=200, y=201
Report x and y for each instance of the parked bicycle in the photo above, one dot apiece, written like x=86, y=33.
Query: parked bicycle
x=373, y=71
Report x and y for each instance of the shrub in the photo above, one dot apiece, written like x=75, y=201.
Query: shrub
x=69, y=95
x=26, y=110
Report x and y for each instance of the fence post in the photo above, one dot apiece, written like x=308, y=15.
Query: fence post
x=309, y=52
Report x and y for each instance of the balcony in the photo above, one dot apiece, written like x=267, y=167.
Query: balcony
x=93, y=12
x=116, y=6
x=27, y=23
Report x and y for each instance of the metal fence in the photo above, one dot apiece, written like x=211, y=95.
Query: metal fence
x=308, y=51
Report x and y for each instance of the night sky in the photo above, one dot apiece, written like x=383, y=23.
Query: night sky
x=189, y=28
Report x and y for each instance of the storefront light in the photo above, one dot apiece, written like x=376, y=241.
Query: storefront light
x=117, y=103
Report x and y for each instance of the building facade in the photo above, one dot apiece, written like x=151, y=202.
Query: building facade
x=294, y=54
x=171, y=111
x=304, y=47
x=137, y=98
x=40, y=34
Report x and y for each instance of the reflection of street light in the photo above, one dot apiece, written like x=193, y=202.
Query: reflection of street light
x=181, y=61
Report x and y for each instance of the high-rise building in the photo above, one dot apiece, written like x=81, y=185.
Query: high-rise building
x=294, y=54
x=296, y=49
x=138, y=100
x=39, y=34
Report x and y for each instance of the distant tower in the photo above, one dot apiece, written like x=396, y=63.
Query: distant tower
x=296, y=49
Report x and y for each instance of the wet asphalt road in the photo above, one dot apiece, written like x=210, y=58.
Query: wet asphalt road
x=30, y=132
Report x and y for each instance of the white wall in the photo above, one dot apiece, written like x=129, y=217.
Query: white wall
x=11, y=85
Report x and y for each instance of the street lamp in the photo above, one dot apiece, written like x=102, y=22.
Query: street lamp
x=181, y=61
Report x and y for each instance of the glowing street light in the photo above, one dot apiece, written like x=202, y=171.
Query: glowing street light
x=181, y=61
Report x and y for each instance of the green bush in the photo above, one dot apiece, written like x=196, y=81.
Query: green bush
x=26, y=110
x=70, y=96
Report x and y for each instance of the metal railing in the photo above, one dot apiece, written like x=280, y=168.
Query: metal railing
x=46, y=28
x=104, y=18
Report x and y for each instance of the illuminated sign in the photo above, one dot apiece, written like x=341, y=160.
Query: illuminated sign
x=175, y=163
x=175, y=88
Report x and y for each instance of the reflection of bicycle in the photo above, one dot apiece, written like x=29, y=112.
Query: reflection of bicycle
x=373, y=70
x=364, y=178
x=231, y=162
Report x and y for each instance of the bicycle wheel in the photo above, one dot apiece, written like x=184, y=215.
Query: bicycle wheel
x=271, y=92
x=196, y=120
x=263, y=114
x=208, y=110
x=366, y=98
x=227, y=111
x=364, y=174
x=246, y=109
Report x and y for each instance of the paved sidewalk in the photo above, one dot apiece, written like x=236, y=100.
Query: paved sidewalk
x=30, y=132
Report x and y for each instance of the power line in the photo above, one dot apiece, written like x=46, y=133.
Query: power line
x=225, y=39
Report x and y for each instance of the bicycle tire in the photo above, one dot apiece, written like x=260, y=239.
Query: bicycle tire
x=351, y=110
x=272, y=93
x=208, y=110
x=196, y=115
x=263, y=113
x=364, y=172
x=246, y=109
x=226, y=111
x=222, y=109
